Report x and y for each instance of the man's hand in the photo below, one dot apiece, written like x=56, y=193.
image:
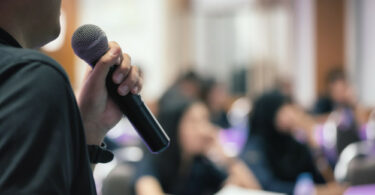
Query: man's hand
x=99, y=113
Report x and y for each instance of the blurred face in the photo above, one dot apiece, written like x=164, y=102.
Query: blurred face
x=41, y=20
x=195, y=130
x=189, y=89
x=217, y=97
x=285, y=117
x=338, y=91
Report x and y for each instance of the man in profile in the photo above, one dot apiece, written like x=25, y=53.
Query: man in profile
x=47, y=139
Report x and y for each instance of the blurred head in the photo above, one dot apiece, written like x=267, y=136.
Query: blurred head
x=195, y=130
x=32, y=23
x=214, y=94
x=188, y=125
x=271, y=115
x=285, y=117
x=285, y=85
x=337, y=86
x=190, y=84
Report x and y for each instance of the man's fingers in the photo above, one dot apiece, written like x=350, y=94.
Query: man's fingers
x=138, y=86
x=123, y=70
x=112, y=57
x=130, y=83
x=128, y=77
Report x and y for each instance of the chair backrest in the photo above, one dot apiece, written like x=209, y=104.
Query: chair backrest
x=356, y=164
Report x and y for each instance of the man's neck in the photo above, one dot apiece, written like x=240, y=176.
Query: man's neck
x=15, y=31
x=14, y=24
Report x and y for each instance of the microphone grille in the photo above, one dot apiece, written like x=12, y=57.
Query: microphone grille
x=89, y=42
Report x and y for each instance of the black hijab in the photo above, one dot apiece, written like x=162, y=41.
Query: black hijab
x=287, y=157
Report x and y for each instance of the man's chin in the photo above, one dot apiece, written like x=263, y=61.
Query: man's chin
x=55, y=33
x=50, y=37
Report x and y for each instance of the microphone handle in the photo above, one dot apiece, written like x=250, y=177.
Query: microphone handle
x=139, y=116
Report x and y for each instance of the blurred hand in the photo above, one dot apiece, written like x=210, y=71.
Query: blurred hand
x=99, y=113
x=288, y=119
x=239, y=174
x=294, y=120
x=331, y=188
x=302, y=119
x=215, y=151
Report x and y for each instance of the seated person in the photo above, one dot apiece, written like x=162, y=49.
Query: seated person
x=272, y=153
x=339, y=95
x=184, y=167
x=215, y=96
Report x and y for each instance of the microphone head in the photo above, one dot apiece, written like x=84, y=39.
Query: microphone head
x=90, y=43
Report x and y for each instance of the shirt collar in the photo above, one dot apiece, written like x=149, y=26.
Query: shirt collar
x=7, y=39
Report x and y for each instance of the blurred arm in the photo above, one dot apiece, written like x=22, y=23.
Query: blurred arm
x=147, y=185
x=332, y=188
x=305, y=123
x=238, y=173
x=241, y=175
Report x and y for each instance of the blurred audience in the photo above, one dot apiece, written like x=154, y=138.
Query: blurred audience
x=194, y=163
x=286, y=145
x=275, y=156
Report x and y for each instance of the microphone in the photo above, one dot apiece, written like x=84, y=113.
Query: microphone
x=90, y=43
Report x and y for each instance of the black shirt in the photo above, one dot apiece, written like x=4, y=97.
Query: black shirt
x=42, y=142
x=324, y=105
